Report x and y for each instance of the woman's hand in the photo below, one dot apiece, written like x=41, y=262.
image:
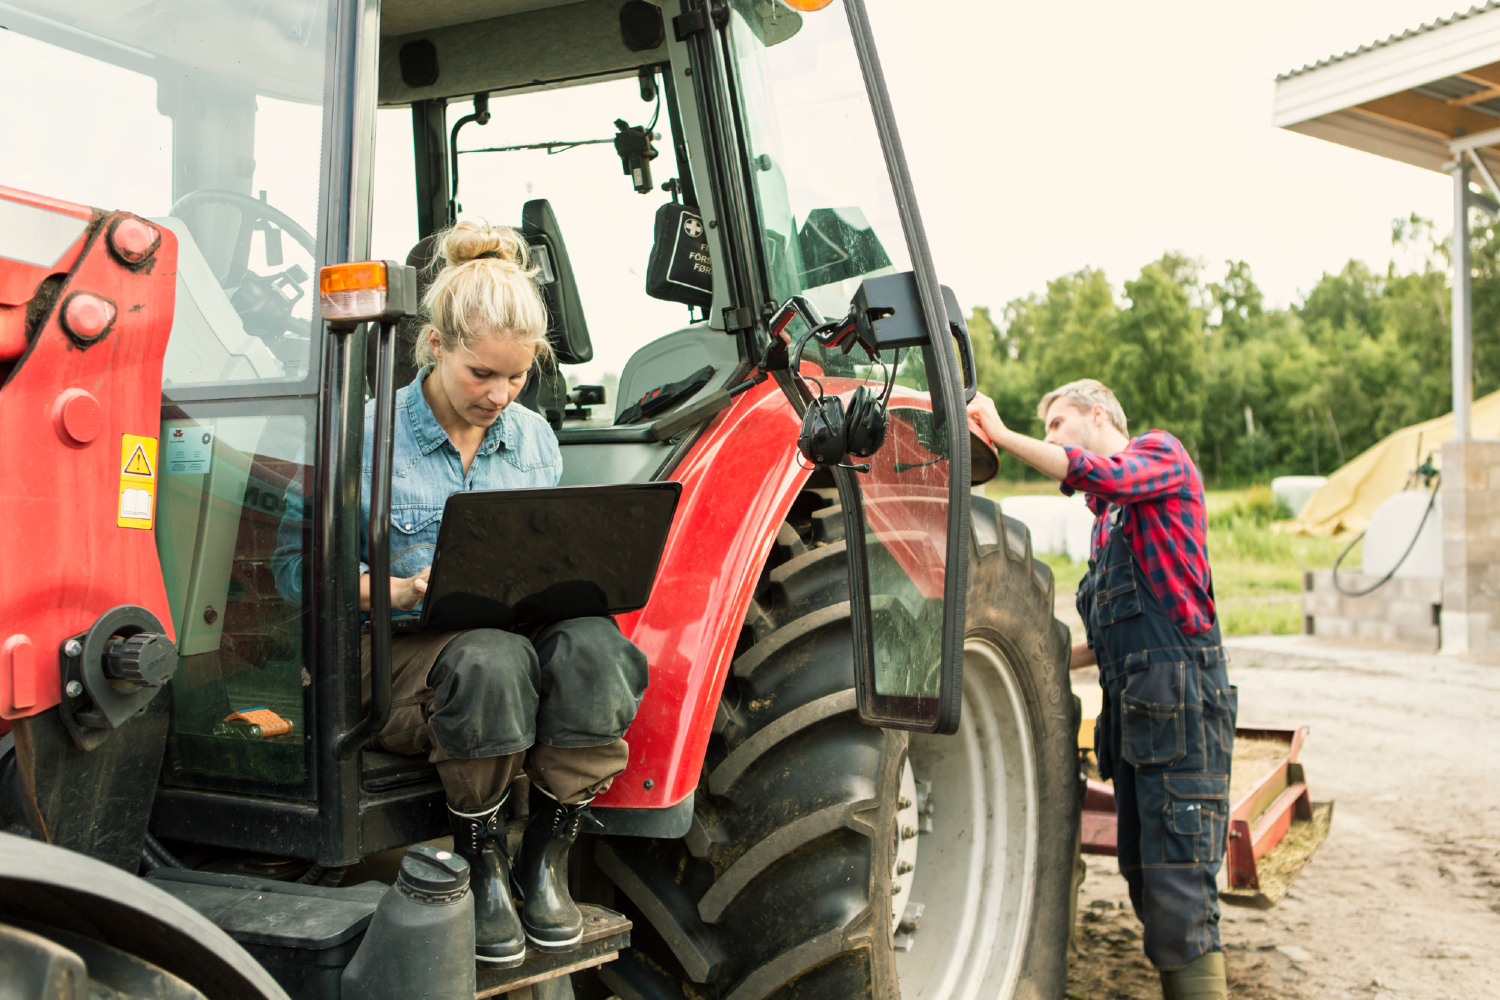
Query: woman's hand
x=406, y=592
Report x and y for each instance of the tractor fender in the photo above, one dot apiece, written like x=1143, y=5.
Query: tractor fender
x=739, y=479
x=46, y=888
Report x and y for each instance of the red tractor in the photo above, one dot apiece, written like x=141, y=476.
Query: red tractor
x=855, y=770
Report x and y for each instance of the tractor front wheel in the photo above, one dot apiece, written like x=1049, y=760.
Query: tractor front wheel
x=830, y=860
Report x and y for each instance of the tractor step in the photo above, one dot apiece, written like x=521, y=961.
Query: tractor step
x=306, y=934
x=605, y=933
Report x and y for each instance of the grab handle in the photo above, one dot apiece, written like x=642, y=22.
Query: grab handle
x=384, y=292
x=380, y=551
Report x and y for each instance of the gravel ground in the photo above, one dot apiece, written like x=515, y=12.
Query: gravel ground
x=1403, y=899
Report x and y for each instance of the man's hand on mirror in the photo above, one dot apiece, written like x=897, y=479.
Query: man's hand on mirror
x=1048, y=459
x=982, y=412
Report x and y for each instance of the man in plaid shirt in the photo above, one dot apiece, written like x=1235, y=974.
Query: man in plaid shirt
x=1153, y=474
x=1167, y=727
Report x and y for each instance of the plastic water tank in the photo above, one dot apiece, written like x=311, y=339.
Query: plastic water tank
x=1040, y=514
x=420, y=942
x=1391, y=529
x=1058, y=524
x=1295, y=491
x=1078, y=527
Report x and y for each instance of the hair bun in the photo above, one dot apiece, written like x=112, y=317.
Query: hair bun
x=480, y=241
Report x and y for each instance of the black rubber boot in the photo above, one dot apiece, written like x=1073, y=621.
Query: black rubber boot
x=548, y=913
x=498, y=940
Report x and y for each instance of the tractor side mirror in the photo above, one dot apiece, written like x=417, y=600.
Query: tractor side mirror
x=905, y=514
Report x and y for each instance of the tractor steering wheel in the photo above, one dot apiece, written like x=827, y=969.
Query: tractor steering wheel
x=263, y=303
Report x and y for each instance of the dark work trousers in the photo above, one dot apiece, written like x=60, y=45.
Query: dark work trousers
x=1164, y=737
x=482, y=702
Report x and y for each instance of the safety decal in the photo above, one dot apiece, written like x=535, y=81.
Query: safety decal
x=137, y=482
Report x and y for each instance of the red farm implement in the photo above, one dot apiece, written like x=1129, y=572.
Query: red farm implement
x=1274, y=825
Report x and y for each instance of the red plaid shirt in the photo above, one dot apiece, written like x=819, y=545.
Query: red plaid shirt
x=1165, y=526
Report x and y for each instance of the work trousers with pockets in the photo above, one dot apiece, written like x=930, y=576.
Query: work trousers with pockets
x=1165, y=737
x=483, y=703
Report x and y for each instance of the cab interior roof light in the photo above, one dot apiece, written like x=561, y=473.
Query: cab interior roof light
x=367, y=291
x=807, y=6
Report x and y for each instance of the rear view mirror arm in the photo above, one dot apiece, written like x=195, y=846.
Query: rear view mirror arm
x=482, y=116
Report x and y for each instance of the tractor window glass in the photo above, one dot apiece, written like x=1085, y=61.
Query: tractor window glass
x=208, y=118
x=828, y=220
x=557, y=145
x=826, y=211
x=231, y=497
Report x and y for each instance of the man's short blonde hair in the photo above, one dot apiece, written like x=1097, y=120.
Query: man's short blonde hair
x=1085, y=394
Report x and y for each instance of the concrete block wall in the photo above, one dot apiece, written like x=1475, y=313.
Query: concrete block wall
x=1471, y=546
x=1404, y=610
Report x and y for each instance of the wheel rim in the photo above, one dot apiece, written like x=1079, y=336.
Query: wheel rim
x=977, y=874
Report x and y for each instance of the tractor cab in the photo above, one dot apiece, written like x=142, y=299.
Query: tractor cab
x=679, y=170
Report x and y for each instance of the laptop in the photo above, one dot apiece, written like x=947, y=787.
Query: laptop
x=518, y=558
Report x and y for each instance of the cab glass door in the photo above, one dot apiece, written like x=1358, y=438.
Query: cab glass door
x=831, y=217
x=208, y=119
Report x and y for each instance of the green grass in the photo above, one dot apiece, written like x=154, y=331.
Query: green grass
x=1271, y=618
x=1257, y=571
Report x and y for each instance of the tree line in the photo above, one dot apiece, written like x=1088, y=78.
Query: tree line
x=1251, y=391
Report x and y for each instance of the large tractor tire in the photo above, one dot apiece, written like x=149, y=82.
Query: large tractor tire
x=829, y=860
x=75, y=927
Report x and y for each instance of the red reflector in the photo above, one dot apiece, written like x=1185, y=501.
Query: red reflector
x=19, y=655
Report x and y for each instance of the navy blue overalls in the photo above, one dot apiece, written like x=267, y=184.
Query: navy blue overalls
x=1164, y=737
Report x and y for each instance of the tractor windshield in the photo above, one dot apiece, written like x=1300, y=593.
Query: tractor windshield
x=207, y=115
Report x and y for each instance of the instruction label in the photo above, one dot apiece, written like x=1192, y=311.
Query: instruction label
x=190, y=451
x=137, y=481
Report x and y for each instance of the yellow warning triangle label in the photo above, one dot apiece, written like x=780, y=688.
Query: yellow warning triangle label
x=138, y=464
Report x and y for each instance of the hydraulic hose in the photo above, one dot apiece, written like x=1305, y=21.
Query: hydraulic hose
x=166, y=857
x=1431, y=502
x=324, y=875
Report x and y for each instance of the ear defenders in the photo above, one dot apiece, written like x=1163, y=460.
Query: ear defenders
x=864, y=422
x=830, y=432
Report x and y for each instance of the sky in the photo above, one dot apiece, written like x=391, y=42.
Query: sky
x=1048, y=137
x=1042, y=137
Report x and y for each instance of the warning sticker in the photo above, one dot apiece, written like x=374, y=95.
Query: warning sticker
x=190, y=451
x=138, y=464
x=137, y=481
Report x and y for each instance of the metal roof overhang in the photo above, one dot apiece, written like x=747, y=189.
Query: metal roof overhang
x=1406, y=98
x=1429, y=97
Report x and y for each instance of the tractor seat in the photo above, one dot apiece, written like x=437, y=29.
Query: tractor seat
x=567, y=329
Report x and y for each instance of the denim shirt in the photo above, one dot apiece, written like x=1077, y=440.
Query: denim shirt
x=519, y=451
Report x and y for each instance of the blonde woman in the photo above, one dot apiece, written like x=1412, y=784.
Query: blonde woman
x=483, y=703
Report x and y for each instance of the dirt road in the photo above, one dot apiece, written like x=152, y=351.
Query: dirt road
x=1403, y=900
